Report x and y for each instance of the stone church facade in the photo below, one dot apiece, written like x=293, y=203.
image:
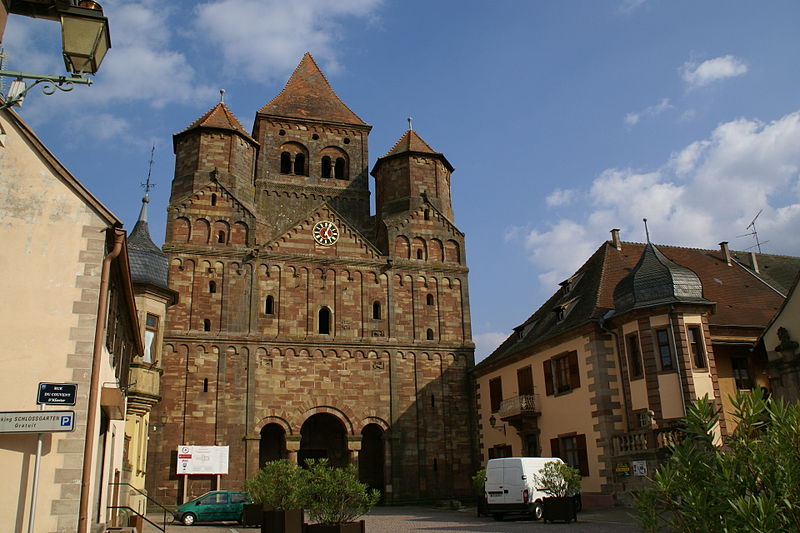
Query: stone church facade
x=307, y=327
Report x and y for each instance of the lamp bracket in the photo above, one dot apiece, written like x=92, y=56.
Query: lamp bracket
x=50, y=84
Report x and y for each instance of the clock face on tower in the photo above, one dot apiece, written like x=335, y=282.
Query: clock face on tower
x=325, y=232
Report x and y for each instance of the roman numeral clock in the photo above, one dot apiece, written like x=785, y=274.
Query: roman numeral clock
x=325, y=233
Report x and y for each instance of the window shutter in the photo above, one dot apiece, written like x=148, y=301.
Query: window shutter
x=554, y=451
x=574, y=371
x=548, y=378
x=525, y=381
x=583, y=458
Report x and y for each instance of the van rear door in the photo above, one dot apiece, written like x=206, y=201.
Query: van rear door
x=513, y=482
x=494, y=482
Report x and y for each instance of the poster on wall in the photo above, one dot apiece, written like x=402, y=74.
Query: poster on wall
x=209, y=460
x=639, y=468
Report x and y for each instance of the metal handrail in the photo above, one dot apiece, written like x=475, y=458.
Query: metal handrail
x=143, y=517
x=149, y=499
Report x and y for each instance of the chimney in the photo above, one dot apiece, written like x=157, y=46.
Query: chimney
x=754, y=262
x=725, y=252
x=615, y=241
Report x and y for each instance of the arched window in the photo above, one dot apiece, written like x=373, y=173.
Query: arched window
x=427, y=214
x=269, y=305
x=300, y=164
x=213, y=199
x=326, y=167
x=221, y=237
x=419, y=254
x=324, y=323
x=430, y=334
x=339, y=170
x=429, y=299
x=206, y=325
x=286, y=162
x=376, y=310
x=212, y=286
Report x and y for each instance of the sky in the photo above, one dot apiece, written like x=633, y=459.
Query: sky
x=563, y=118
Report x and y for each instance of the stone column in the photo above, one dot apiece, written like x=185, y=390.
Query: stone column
x=292, y=447
x=353, y=447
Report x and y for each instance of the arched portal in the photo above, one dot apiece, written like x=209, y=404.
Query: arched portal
x=323, y=435
x=371, y=457
x=272, y=445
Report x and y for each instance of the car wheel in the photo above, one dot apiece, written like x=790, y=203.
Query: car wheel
x=188, y=519
x=538, y=511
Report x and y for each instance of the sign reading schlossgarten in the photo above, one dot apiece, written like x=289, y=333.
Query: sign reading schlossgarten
x=36, y=421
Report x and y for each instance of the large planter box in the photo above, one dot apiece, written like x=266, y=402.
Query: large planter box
x=349, y=527
x=561, y=509
x=272, y=521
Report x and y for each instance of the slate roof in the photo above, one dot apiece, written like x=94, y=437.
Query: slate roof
x=149, y=265
x=657, y=280
x=308, y=95
x=742, y=297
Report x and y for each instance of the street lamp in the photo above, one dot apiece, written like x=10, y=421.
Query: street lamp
x=85, y=40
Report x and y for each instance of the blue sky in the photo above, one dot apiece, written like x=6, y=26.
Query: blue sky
x=563, y=118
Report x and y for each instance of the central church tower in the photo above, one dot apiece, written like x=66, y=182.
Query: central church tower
x=307, y=327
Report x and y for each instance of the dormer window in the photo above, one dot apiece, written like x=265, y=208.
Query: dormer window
x=568, y=284
x=561, y=311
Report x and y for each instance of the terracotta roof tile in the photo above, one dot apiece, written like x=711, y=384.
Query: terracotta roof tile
x=308, y=95
x=742, y=297
x=219, y=117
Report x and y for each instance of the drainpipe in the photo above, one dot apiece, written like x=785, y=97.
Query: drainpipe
x=97, y=353
x=677, y=363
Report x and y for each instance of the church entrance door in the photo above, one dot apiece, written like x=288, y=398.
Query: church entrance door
x=272, y=445
x=323, y=436
x=371, y=457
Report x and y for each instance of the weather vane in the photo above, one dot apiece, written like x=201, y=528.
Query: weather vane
x=147, y=186
x=646, y=231
x=410, y=119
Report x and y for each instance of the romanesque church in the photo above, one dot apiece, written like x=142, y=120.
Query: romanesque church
x=306, y=326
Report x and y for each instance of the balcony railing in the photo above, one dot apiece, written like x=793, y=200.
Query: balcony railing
x=526, y=403
x=645, y=440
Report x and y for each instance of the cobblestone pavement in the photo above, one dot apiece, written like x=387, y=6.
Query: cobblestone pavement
x=430, y=520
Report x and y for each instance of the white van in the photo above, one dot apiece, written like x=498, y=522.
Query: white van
x=511, y=488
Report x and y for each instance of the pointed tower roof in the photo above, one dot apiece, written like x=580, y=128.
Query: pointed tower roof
x=308, y=95
x=656, y=280
x=149, y=265
x=219, y=117
x=411, y=143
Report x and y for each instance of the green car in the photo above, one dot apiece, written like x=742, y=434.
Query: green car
x=214, y=506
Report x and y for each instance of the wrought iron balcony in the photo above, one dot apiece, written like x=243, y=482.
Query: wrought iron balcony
x=525, y=404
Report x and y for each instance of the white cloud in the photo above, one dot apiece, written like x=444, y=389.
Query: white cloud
x=632, y=118
x=266, y=38
x=486, y=343
x=705, y=193
x=630, y=5
x=560, y=197
x=711, y=70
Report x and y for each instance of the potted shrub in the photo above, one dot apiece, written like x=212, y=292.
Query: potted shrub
x=479, y=483
x=335, y=498
x=560, y=482
x=277, y=491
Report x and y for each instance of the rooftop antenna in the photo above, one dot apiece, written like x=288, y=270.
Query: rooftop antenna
x=410, y=119
x=147, y=186
x=222, y=96
x=753, y=232
x=646, y=231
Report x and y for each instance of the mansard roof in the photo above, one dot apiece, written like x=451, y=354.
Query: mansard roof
x=743, y=297
x=308, y=96
x=410, y=142
x=219, y=117
x=149, y=265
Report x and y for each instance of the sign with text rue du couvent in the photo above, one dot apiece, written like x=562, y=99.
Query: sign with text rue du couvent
x=57, y=394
